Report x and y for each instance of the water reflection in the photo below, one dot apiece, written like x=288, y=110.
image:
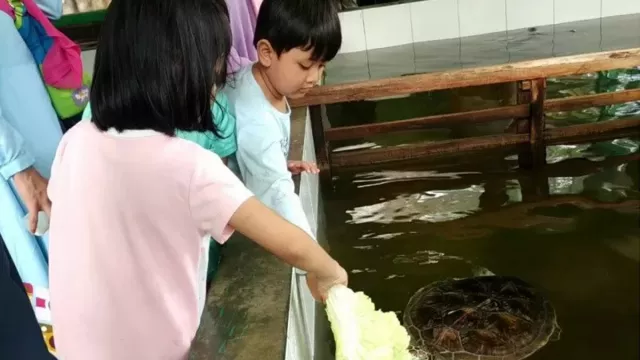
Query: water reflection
x=570, y=229
x=579, y=242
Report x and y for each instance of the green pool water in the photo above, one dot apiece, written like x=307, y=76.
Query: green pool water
x=572, y=229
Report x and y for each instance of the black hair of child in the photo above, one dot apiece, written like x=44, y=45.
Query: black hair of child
x=157, y=63
x=306, y=24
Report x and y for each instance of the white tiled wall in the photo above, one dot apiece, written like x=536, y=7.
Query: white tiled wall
x=576, y=10
x=427, y=20
x=482, y=16
x=620, y=7
x=352, y=24
x=527, y=13
x=434, y=20
x=388, y=26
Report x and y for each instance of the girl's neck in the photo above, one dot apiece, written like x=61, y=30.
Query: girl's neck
x=276, y=99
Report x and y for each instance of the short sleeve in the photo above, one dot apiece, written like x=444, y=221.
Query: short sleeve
x=214, y=196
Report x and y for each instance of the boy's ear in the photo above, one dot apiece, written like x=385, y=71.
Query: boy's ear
x=265, y=52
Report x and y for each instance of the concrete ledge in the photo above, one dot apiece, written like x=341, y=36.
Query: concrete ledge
x=248, y=309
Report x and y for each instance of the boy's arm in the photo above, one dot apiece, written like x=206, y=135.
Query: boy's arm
x=264, y=169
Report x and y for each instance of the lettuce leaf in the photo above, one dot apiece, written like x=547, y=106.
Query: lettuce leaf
x=362, y=332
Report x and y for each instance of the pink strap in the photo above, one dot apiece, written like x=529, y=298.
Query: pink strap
x=6, y=8
x=62, y=65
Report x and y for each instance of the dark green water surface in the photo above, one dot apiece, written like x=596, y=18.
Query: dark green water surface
x=571, y=229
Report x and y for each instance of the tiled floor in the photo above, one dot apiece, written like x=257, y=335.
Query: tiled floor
x=604, y=34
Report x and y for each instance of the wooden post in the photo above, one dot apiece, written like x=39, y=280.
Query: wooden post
x=522, y=125
x=532, y=92
x=537, y=146
x=319, y=124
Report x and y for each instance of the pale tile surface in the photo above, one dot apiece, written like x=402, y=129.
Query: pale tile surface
x=352, y=24
x=388, y=26
x=435, y=20
x=576, y=10
x=526, y=13
x=482, y=16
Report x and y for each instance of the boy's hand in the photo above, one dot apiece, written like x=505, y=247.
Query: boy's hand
x=297, y=167
x=320, y=286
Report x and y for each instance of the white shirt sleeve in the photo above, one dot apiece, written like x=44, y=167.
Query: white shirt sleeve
x=263, y=166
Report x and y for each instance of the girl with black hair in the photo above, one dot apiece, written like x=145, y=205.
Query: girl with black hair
x=132, y=203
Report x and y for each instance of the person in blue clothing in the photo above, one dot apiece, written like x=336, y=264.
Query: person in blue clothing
x=294, y=39
x=29, y=135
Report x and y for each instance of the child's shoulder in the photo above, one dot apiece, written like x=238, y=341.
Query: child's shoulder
x=242, y=88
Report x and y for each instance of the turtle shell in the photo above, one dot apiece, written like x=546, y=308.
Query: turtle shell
x=480, y=318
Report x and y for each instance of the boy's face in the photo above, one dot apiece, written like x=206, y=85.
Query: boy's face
x=293, y=73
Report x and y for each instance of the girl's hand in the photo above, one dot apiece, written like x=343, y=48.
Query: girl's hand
x=320, y=285
x=297, y=167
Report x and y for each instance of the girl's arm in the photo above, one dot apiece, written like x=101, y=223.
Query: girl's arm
x=281, y=238
x=220, y=204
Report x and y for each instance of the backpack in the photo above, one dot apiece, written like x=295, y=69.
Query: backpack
x=58, y=58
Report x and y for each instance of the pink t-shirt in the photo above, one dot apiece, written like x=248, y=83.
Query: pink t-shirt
x=129, y=214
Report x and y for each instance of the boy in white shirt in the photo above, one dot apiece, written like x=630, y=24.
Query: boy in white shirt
x=294, y=39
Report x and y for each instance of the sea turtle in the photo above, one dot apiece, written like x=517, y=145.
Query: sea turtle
x=487, y=317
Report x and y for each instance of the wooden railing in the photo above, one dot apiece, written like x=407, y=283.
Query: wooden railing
x=529, y=133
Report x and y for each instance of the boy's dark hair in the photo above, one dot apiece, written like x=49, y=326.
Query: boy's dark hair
x=307, y=24
x=157, y=62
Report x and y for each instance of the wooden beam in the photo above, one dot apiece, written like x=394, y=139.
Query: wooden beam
x=565, y=135
x=431, y=149
x=543, y=68
x=581, y=102
x=482, y=116
x=425, y=122
x=599, y=131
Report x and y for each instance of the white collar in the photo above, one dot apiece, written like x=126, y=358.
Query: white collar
x=132, y=133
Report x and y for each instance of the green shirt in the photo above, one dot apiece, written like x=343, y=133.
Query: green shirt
x=225, y=121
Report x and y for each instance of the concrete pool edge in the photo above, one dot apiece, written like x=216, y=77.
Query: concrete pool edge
x=258, y=308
